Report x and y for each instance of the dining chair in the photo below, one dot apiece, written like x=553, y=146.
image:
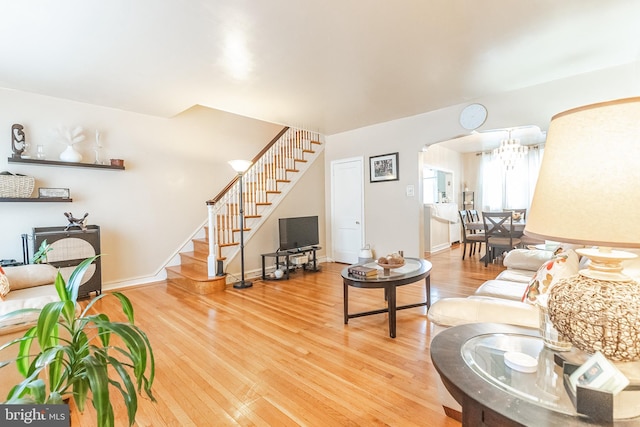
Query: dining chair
x=473, y=215
x=525, y=240
x=498, y=233
x=468, y=236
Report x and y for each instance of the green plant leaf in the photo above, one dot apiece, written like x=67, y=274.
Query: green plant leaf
x=103, y=333
x=37, y=390
x=127, y=307
x=22, y=362
x=55, y=370
x=136, y=345
x=99, y=384
x=47, y=326
x=55, y=398
x=19, y=312
x=75, y=280
x=80, y=389
x=18, y=391
x=129, y=395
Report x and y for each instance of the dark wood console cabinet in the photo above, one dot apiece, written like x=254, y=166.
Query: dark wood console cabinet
x=70, y=248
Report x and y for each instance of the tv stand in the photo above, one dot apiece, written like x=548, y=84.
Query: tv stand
x=285, y=258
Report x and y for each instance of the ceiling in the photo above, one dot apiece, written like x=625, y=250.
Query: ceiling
x=325, y=65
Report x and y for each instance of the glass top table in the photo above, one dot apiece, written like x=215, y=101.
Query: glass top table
x=484, y=354
x=412, y=271
x=470, y=361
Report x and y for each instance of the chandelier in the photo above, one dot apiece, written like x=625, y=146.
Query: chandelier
x=510, y=151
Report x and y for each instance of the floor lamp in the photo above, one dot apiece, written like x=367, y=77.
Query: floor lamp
x=241, y=166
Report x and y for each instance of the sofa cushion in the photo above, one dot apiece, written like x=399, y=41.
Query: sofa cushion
x=27, y=276
x=36, y=297
x=563, y=265
x=4, y=285
x=459, y=311
x=515, y=275
x=503, y=289
x=526, y=259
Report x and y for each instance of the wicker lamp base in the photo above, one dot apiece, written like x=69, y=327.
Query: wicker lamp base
x=598, y=315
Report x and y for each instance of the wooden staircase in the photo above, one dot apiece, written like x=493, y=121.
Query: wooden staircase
x=192, y=273
x=273, y=172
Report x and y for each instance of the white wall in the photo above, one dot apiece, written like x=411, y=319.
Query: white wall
x=147, y=212
x=393, y=220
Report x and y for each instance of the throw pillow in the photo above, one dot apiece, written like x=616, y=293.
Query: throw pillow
x=561, y=266
x=4, y=284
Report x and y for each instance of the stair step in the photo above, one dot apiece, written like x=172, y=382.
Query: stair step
x=195, y=260
x=201, y=246
x=187, y=278
x=224, y=245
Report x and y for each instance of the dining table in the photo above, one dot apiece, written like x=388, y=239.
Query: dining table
x=517, y=230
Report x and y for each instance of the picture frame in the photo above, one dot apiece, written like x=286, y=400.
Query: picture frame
x=49, y=193
x=597, y=372
x=384, y=168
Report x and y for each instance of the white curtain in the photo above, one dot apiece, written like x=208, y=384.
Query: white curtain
x=508, y=189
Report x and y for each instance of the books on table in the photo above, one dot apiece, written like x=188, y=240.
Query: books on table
x=362, y=271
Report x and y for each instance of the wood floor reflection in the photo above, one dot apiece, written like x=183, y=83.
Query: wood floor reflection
x=278, y=354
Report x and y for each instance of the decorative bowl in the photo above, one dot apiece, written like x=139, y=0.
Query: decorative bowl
x=389, y=266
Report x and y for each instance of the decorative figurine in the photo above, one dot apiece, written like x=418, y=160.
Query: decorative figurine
x=18, y=141
x=76, y=222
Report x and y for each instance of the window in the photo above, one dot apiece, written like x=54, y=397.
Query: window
x=504, y=189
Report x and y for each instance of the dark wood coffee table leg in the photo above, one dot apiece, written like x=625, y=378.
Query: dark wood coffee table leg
x=427, y=285
x=345, y=298
x=390, y=290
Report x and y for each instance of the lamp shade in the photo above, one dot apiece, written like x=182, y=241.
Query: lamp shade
x=588, y=189
x=240, y=166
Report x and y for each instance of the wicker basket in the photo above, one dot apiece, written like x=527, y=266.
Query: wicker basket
x=16, y=186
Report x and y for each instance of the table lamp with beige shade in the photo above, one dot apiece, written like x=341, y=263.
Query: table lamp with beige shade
x=588, y=193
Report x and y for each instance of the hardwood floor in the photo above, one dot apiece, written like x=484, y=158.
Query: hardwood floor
x=278, y=354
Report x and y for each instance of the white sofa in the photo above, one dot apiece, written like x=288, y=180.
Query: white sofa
x=498, y=300
x=32, y=286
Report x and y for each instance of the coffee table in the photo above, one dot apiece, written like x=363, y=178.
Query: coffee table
x=470, y=361
x=412, y=271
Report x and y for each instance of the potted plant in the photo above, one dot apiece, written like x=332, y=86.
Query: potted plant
x=78, y=357
x=40, y=256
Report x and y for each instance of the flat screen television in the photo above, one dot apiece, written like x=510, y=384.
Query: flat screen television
x=298, y=232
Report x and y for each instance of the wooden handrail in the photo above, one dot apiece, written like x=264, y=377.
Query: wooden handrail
x=253, y=161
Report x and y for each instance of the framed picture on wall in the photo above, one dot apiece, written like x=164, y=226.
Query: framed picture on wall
x=383, y=168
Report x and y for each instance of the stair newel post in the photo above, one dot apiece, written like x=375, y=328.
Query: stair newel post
x=213, y=250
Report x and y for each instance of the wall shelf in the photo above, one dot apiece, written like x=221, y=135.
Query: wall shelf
x=60, y=163
x=35, y=199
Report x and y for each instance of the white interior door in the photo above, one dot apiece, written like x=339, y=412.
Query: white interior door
x=347, y=209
